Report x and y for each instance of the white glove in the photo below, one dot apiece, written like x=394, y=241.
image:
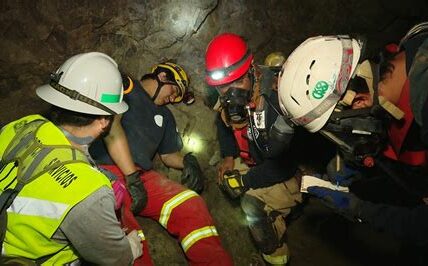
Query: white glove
x=136, y=244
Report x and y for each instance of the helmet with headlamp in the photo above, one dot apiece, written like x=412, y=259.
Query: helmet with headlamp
x=227, y=58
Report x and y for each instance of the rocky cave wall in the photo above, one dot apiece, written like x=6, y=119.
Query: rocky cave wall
x=37, y=36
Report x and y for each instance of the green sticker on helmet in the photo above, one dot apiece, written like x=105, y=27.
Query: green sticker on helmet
x=110, y=98
x=320, y=89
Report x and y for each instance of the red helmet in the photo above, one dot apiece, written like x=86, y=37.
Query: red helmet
x=227, y=58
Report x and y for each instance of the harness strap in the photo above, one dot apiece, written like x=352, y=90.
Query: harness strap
x=243, y=145
x=75, y=95
x=25, y=138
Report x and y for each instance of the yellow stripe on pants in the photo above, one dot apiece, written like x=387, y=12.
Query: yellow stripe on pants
x=197, y=235
x=172, y=203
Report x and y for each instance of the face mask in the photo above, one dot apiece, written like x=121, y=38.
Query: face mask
x=234, y=103
x=359, y=138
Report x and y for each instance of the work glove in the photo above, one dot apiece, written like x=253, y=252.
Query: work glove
x=192, y=176
x=137, y=191
x=136, y=243
x=346, y=204
x=232, y=184
x=344, y=176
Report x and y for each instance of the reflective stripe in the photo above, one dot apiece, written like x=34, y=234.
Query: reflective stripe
x=197, y=235
x=38, y=207
x=276, y=260
x=172, y=203
x=74, y=263
x=141, y=235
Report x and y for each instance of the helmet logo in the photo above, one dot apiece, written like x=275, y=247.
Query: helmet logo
x=320, y=89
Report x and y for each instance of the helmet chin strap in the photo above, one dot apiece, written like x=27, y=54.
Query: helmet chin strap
x=160, y=85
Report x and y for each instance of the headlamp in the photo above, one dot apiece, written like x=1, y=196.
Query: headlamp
x=217, y=75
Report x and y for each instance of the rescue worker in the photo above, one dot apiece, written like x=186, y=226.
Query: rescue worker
x=151, y=129
x=403, y=84
x=49, y=185
x=253, y=139
x=399, y=168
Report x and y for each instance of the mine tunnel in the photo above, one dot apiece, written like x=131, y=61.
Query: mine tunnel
x=38, y=36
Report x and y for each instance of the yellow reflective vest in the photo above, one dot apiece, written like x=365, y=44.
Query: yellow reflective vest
x=41, y=205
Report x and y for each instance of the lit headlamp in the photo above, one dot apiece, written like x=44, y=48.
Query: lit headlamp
x=218, y=74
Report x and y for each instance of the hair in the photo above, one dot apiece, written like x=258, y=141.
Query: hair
x=60, y=116
x=148, y=76
x=168, y=72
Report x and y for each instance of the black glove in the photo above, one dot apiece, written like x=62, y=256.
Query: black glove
x=137, y=191
x=192, y=176
x=347, y=204
x=232, y=184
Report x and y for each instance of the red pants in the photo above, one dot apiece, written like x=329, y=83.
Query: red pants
x=183, y=213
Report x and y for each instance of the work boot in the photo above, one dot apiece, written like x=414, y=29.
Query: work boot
x=279, y=257
x=257, y=260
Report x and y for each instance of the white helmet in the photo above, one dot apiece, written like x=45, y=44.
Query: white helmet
x=315, y=76
x=87, y=83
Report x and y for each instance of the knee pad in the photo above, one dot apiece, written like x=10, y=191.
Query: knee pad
x=261, y=224
x=252, y=206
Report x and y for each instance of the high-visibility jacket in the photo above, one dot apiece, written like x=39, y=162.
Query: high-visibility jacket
x=41, y=206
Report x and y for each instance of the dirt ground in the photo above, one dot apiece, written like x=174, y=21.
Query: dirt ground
x=317, y=237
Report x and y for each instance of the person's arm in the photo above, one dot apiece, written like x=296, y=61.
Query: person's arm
x=280, y=131
x=280, y=136
x=192, y=175
x=269, y=172
x=169, y=152
x=98, y=237
x=173, y=160
x=408, y=224
x=228, y=148
x=118, y=148
x=226, y=139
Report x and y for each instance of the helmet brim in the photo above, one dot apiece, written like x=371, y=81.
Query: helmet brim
x=54, y=97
